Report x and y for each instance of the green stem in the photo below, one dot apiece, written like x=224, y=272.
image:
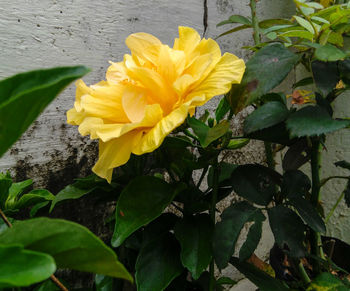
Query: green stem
x=255, y=22
x=304, y=276
x=205, y=170
x=212, y=216
x=340, y=198
x=316, y=243
x=324, y=181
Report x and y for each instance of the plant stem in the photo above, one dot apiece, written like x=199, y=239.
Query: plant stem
x=304, y=276
x=255, y=22
x=52, y=277
x=212, y=216
x=316, y=243
x=340, y=198
x=205, y=170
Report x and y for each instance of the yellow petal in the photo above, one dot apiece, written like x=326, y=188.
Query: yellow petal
x=228, y=70
x=144, y=45
x=115, y=153
x=188, y=39
x=74, y=117
x=134, y=103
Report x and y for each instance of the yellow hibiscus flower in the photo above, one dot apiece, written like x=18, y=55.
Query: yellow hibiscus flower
x=150, y=93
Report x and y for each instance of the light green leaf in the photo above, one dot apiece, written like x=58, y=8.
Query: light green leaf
x=33, y=197
x=21, y=267
x=327, y=282
x=329, y=53
x=298, y=33
x=304, y=23
x=70, y=244
x=27, y=95
x=236, y=19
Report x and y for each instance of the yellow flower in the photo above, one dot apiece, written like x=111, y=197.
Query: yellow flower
x=150, y=93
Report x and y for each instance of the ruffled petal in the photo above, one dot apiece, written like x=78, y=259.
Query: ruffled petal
x=115, y=153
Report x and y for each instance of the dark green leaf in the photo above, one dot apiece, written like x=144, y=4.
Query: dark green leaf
x=177, y=141
x=21, y=267
x=279, y=97
x=327, y=282
x=265, y=116
x=253, y=236
x=222, y=109
x=288, y=229
x=261, y=279
x=254, y=183
x=313, y=120
x=344, y=69
x=47, y=285
x=5, y=184
x=141, y=201
x=303, y=82
x=195, y=237
x=206, y=134
x=158, y=264
x=103, y=283
x=276, y=134
x=343, y=164
x=296, y=156
x=37, y=207
x=326, y=76
x=329, y=53
x=264, y=71
x=225, y=281
x=226, y=170
x=295, y=184
x=236, y=19
x=272, y=22
x=71, y=245
x=228, y=229
x=347, y=194
x=16, y=190
x=308, y=213
x=28, y=94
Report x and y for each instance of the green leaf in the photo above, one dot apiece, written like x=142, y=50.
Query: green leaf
x=254, y=183
x=265, y=116
x=15, y=191
x=158, y=264
x=326, y=76
x=327, y=282
x=195, y=237
x=225, y=281
x=238, y=28
x=206, y=134
x=288, y=229
x=32, y=198
x=264, y=71
x=298, y=33
x=312, y=121
x=71, y=245
x=303, y=82
x=272, y=22
x=222, y=109
x=295, y=184
x=27, y=95
x=226, y=170
x=103, y=283
x=141, y=201
x=235, y=19
x=5, y=184
x=237, y=143
x=304, y=23
x=261, y=279
x=343, y=164
x=47, y=285
x=329, y=53
x=228, y=229
x=296, y=156
x=37, y=207
x=344, y=69
x=308, y=213
x=253, y=236
x=20, y=267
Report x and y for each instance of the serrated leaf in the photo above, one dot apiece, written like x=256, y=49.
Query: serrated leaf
x=288, y=229
x=253, y=236
x=20, y=267
x=296, y=156
x=313, y=121
x=228, y=229
x=70, y=244
x=141, y=201
x=235, y=19
x=206, y=134
x=261, y=279
x=28, y=94
x=308, y=213
x=264, y=71
x=329, y=53
x=158, y=263
x=265, y=116
x=195, y=237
